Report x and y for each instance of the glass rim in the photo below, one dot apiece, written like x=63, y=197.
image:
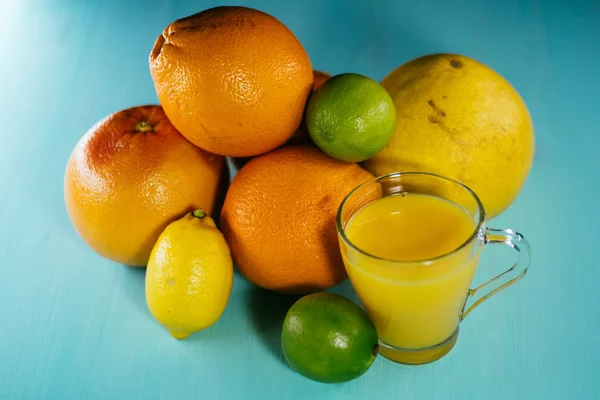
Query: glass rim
x=342, y=233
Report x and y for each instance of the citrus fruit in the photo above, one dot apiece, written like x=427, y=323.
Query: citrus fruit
x=233, y=80
x=351, y=117
x=459, y=118
x=189, y=275
x=319, y=77
x=328, y=338
x=129, y=176
x=301, y=135
x=279, y=218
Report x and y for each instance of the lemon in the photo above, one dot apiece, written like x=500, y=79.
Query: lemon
x=351, y=117
x=189, y=275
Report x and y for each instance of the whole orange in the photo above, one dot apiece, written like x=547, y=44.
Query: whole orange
x=233, y=80
x=279, y=218
x=129, y=176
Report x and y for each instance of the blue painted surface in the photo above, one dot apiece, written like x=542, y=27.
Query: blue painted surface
x=73, y=325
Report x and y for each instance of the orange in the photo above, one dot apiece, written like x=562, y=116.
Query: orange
x=129, y=176
x=301, y=136
x=233, y=80
x=279, y=218
x=319, y=77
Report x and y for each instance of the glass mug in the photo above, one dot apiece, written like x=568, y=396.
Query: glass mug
x=417, y=306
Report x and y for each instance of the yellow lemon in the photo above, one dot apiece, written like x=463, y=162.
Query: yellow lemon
x=189, y=275
x=457, y=117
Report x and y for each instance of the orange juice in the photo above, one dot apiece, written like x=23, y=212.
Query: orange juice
x=414, y=296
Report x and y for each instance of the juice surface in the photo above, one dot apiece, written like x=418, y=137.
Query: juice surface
x=410, y=228
x=413, y=304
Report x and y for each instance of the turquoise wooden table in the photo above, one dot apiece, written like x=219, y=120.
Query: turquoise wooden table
x=76, y=326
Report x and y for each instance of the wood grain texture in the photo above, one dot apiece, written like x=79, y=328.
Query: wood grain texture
x=75, y=326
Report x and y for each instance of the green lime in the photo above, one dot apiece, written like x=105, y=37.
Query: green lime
x=328, y=338
x=351, y=117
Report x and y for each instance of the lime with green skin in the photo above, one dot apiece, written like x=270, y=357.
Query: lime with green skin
x=351, y=117
x=328, y=338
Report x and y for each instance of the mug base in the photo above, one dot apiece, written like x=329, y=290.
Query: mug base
x=418, y=356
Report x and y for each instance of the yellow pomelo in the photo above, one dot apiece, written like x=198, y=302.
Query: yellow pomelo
x=459, y=118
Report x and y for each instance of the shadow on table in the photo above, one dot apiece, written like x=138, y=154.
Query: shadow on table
x=133, y=285
x=267, y=311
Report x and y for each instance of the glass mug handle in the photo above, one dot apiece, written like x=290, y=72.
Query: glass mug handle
x=509, y=238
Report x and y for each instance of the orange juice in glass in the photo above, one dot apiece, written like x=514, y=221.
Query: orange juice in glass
x=410, y=244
